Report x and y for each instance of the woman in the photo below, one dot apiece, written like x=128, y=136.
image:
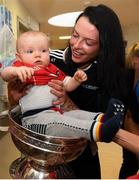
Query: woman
x=130, y=163
x=97, y=47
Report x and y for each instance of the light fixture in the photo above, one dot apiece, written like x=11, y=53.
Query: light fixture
x=64, y=20
x=64, y=37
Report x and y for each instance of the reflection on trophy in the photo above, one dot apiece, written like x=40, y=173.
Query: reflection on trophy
x=42, y=156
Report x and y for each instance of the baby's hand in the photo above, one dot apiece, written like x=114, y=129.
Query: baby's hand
x=80, y=76
x=24, y=73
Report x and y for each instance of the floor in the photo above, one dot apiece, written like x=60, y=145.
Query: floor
x=110, y=156
x=8, y=153
x=111, y=160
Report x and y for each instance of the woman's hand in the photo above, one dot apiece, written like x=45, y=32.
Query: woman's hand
x=58, y=90
x=16, y=90
x=63, y=99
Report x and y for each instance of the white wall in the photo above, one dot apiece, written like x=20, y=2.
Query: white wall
x=18, y=11
x=131, y=34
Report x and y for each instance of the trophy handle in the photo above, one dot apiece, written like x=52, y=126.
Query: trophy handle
x=4, y=121
x=4, y=117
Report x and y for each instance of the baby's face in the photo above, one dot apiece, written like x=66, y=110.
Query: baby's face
x=34, y=49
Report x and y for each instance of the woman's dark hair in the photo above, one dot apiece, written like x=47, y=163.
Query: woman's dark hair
x=111, y=57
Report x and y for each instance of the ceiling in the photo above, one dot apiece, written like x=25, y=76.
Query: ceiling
x=42, y=10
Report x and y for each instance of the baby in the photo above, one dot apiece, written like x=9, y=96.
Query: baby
x=32, y=66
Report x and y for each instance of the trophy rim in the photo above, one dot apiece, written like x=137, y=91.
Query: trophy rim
x=45, y=147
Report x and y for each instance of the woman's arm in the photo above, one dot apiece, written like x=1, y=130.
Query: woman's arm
x=123, y=138
x=127, y=140
x=63, y=99
x=16, y=90
x=69, y=105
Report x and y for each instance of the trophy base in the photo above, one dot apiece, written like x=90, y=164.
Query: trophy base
x=26, y=168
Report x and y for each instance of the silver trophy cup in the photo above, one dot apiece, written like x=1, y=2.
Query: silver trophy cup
x=42, y=156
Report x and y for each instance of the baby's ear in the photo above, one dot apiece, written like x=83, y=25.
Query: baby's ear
x=17, y=56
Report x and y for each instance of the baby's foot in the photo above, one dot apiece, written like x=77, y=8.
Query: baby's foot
x=115, y=106
x=106, y=131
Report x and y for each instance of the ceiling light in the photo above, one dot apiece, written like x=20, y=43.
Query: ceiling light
x=64, y=20
x=64, y=37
